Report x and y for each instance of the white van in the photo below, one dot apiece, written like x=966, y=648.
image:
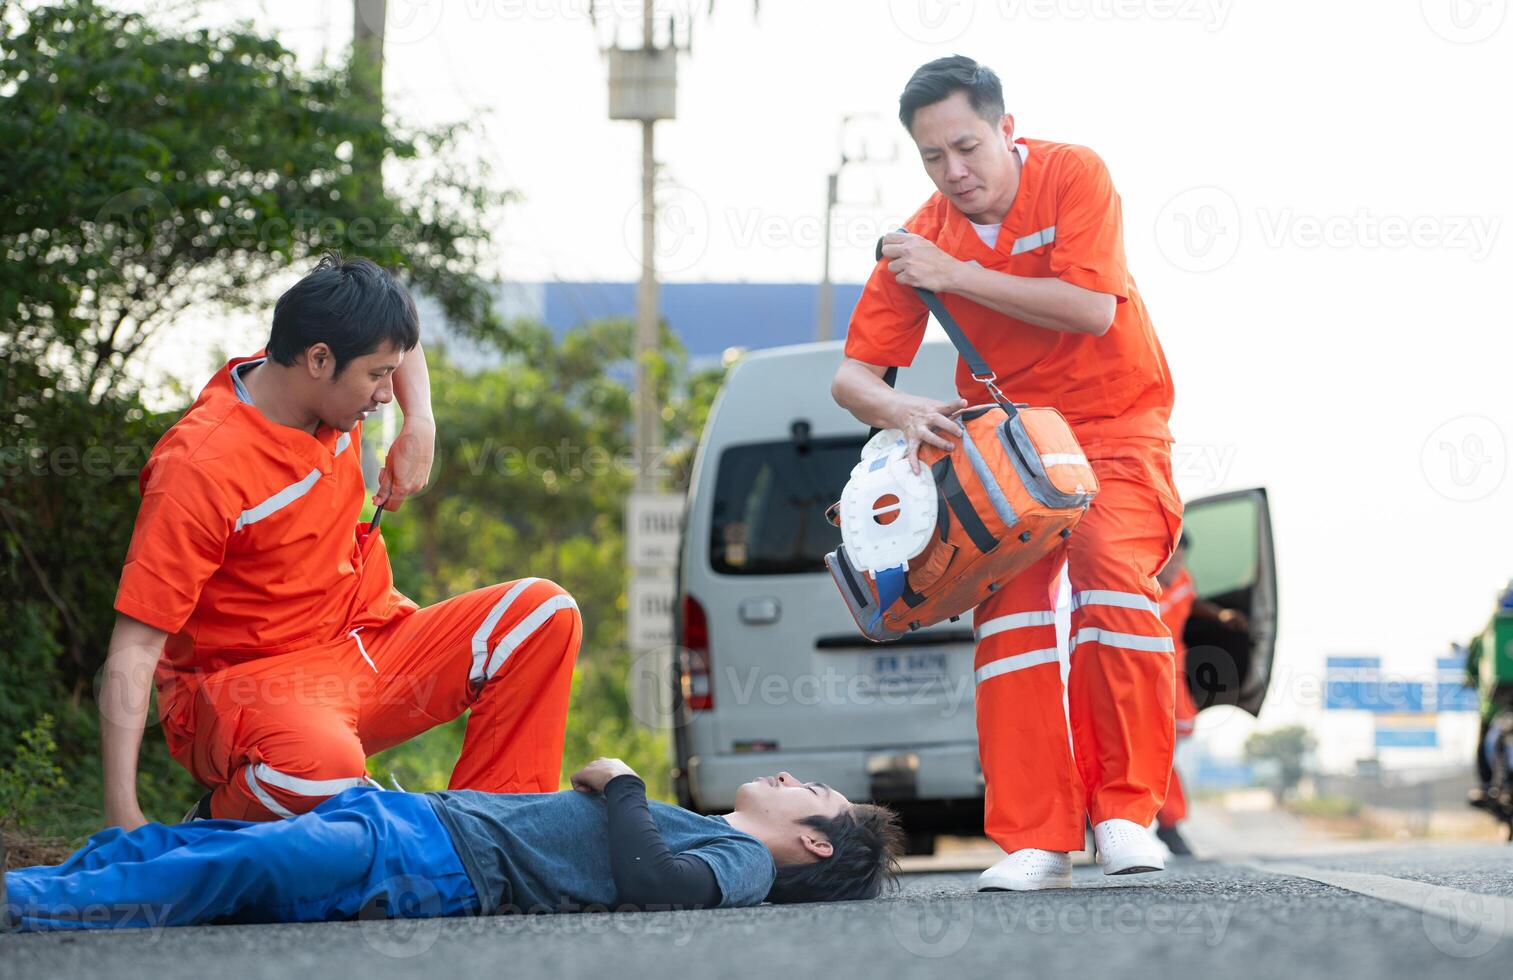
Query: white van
x=772, y=672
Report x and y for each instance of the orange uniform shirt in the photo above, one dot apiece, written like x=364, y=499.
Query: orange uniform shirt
x=1176, y=606
x=246, y=543
x=1065, y=222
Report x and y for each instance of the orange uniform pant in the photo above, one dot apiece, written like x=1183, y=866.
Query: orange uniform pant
x=1174, y=810
x=1040, y=784
x=276, y=736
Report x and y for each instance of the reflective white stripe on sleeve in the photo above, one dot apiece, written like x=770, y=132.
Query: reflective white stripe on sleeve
x=1064, y=459
x=1124, y=600
x=526, y=627
x=1007, y=665
x=1127, y=641
x=1015, y=621
x=481, y=635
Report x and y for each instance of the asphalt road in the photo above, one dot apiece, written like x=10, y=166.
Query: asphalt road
x=1417, y=911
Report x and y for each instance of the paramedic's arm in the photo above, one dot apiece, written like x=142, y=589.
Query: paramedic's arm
x=124, y=696
x=407, y=464
x=1044, y=301
x=1232, y=618
x=859, y=389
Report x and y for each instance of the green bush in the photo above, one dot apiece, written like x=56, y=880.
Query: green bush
x=33, y=774
x=599, y=723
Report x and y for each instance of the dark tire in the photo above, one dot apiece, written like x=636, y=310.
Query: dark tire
x=919, y=842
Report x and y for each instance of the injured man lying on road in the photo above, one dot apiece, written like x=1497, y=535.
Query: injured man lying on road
x=373, y=852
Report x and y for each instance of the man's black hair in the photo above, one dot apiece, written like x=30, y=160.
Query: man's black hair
x=937, y=80
x=352, y=306
x=865, y=842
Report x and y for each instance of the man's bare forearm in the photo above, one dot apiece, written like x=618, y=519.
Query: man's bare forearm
x=412, y=386
x=1044, y=301
x=125, y=694
x=859, y=389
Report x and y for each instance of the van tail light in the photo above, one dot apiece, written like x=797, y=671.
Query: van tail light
x=693, y=661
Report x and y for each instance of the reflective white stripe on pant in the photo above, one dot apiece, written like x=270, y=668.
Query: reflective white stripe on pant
x=481, y=635
x=525, y=628
x=1019, y=661
x=1014, y=621
x=323, y=788
x=1126, y=641
x=1123, y=600
x=362, y=649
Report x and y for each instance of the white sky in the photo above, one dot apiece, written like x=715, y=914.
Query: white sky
x=1361, y=377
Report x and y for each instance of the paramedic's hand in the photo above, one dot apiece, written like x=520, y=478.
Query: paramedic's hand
x=1234, y=619
x=407, y=466
x=593, y=777
x=917, y=262
x=918, y=418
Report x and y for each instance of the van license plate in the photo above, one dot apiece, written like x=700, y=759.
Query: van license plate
x=906, y=671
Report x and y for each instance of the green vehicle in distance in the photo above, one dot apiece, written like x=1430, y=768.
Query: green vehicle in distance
x=1489, y=669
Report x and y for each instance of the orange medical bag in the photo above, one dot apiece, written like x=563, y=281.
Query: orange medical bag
x=1016, y=484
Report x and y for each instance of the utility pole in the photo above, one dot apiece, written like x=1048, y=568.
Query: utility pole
x=832, y=197
x=366, y=75
x=366, y=79
x=643, y=88
x=648, y=417
x=827, y=292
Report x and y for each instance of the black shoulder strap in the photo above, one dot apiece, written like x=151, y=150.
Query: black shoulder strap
x=969, y=353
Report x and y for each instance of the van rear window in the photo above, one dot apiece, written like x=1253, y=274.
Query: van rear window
x=769, y=506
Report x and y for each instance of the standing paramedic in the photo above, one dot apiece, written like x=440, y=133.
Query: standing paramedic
x=283, y=655
x=1024, y=243
x=1179, y=603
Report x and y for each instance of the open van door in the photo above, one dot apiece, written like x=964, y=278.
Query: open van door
x=1232, y=564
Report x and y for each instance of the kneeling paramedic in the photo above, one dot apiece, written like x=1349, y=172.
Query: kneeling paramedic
x=1024, y=243
x=283, y=655
x=368, y=852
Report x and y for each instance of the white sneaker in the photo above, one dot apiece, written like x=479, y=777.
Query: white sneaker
x=1126, y=848
x=1028, y=869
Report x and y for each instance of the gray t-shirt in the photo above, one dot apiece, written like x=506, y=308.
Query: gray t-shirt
x=549, y=852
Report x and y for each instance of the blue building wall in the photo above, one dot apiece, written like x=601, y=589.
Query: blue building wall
x=707, y=316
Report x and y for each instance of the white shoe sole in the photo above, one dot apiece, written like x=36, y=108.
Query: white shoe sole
x=1138, y=866
x=1024, y=884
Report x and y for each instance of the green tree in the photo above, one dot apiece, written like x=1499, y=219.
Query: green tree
x=533, y=466
x=157, y=175
x=1284, y=748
